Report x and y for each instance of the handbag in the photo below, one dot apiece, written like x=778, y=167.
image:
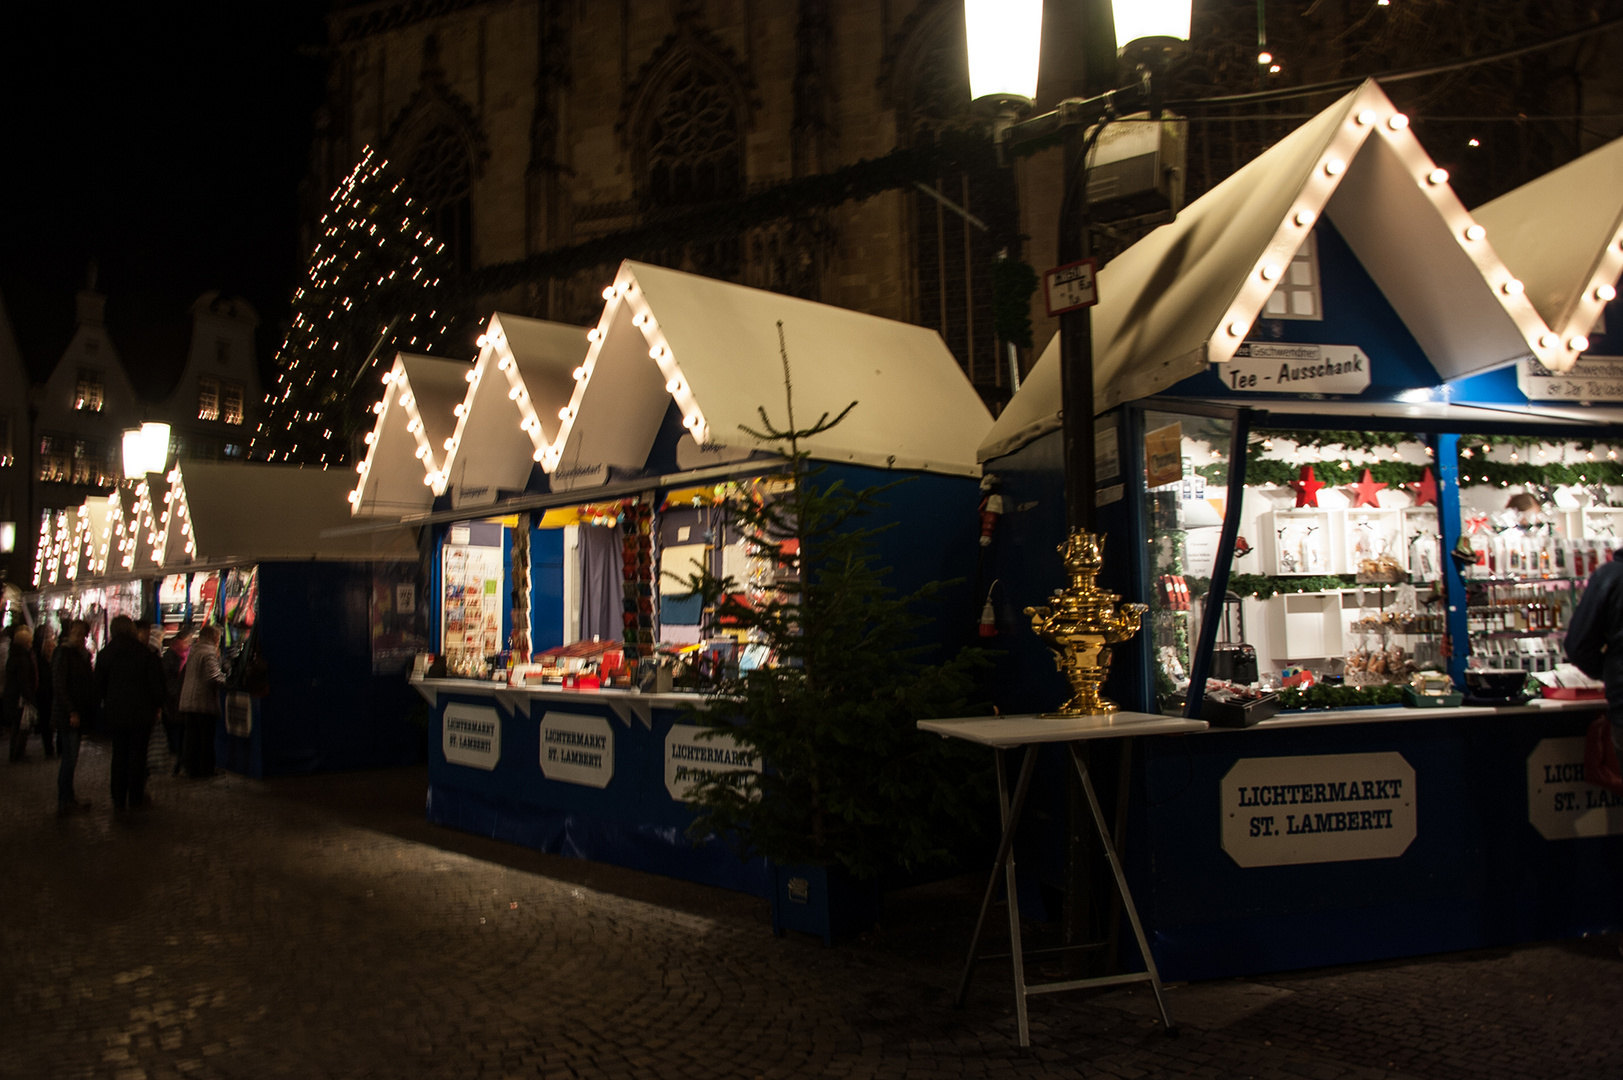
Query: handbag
x=30, y=717
x=1600, y=756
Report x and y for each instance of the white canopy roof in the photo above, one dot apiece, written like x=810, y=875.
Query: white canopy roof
x=1186, y=295
x=1562, y=235
x=401, y=473
x=506, y=422
x=715, y=353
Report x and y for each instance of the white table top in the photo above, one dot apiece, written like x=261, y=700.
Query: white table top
x=483, y=687
x=1006, y=731
x=1389, y=714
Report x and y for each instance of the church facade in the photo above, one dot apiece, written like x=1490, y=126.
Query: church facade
x=533, y=125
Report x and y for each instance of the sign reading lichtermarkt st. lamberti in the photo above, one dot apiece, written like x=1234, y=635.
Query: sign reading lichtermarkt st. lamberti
x=1560, y=805
x=1261, y=367
x=577, y=749
x=472, y=735
x=690, y=758
x=1319, y=808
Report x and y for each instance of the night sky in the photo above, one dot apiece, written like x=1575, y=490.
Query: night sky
x=165, y=140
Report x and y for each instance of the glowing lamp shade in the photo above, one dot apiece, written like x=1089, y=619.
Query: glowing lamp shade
x=1138, y=19
x=1005, y=37
x=145, y=450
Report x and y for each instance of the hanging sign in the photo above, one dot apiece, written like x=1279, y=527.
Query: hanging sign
x=693, y=754
x=1261, y=367
x=472, y=735
x=1163, y=456
x=1560, y=805
x=1070, y=287
x=690, y=454
x=1320, y=808
x=577, y=749
x=1592, y=378
x=570, y=477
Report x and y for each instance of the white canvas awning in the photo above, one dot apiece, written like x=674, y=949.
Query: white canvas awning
x=1187, y=295
x=401, y=472
x=712, y=348
x=1562, y=236
x=524, y=376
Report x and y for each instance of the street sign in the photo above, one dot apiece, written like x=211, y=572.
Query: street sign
x=1070, y=287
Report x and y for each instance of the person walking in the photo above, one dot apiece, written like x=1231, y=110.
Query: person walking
x=73, y=687
x=22, y=687
x=200, y=701
x=1594, y=642
x=45, y=696
x=129, y=687
x=174, y=665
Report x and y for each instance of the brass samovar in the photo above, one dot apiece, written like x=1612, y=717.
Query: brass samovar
x=1082, y=625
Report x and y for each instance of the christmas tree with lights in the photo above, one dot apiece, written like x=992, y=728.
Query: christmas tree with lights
x=377, y=284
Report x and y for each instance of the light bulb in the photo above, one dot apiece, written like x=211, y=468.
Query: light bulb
x=538, y=454
x=580, y=374
x=1437, y=176
x=594, y=334
x=468, y=376
x=608, y=293
x=1578, y=343
x=459, y=409
x=1366, y=117
x=1548, y=340
x=1606, y=293
x=563, y=413
x=482, y=340
x=1335, y=167
x=1304, y=217
x=1236, y=329
x=450, y=444
x=657, y=352
x=1270, y=272
x=1397, y=122
x=512, y=395
x=1475, y=232
x=673, y=386
x=1512, y=287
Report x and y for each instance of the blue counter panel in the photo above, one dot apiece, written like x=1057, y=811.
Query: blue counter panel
x=633, y=821
x=1477, y=873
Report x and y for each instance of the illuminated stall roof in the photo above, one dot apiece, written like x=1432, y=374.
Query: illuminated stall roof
x=1562, y=235
x=524, y=376
x=95, y=531
x=1186, y=295
x=232, y=514
x=401, y=472
x=712, y=347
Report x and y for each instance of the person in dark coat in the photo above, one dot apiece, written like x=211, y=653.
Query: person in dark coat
x=44, y=650
x=129, y=686
x=73, y=685
x=1594, y=642
x=22, y=688
x=174, y=665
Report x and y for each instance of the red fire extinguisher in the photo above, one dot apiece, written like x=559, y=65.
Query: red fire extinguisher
x=991, y=508
x=988, y=627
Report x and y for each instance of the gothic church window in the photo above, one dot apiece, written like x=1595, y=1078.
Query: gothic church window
x=442, y=180
x=693, y=154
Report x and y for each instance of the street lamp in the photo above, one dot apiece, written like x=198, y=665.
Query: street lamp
x=146, y=450
x=1004, y=39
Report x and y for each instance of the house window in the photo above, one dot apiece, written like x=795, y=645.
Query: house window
x=442, y=179
x=55, y=459
x=231, y=402
x=1298, y=295
x=695, y=156
x=208, y=398
x=222, y=352
x=89, y=463
x=233, y=450
x=87, y=391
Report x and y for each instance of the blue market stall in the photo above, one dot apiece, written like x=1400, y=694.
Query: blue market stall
x=567, y=508
x=1306, y=414
x=334, y=620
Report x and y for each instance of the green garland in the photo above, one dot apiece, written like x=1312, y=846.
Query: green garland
x=1270, y=471
x=1339, y=697
x=1503, y=473
x=1264, y=586
x=1366, y=441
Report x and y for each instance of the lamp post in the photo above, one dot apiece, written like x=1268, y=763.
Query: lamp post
x=146, y=450
x=1005, y=39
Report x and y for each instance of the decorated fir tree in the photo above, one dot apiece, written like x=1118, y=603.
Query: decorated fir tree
x=378, y=283
x=847, y=777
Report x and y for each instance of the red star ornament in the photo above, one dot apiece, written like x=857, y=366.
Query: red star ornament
x=1367, y=490
x=1307, y=487
x=1426, y=490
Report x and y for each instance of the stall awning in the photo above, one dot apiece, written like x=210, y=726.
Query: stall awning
x=1187, y=295
x=1562, y=236
x=712, y=349
x=401, y=472
x=252, y=513
x=523, y=377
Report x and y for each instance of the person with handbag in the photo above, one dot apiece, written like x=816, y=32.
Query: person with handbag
x=72, y=708
x=200, y=701
x=22, y=687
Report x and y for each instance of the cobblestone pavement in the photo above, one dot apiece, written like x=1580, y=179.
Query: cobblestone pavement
x=319, y=928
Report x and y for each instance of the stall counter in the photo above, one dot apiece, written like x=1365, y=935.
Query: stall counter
x=1390, y=713
x=593, y=774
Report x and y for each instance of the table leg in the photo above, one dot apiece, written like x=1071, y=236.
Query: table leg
x=1121, y=887
x=1011, y=819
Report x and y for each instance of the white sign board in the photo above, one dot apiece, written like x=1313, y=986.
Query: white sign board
x=1320, y=808
x=472, y=735
x=577, y=749
x=1592, y=378
x=1560, y=805
x=570, y=477
x=690, y=758
x=1278, y=368
x=1070, y=287
x=691, y=455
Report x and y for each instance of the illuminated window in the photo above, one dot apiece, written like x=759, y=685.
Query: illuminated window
x=231, y=402
x=55, y=459
x=89, y=463
x=208, y=398
x=87, y=391
x=233, y=450
x=7, y=457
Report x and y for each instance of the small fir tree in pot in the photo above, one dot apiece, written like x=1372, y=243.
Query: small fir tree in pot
x=846, y=777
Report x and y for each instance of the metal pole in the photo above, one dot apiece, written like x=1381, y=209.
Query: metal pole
x=1076, y=341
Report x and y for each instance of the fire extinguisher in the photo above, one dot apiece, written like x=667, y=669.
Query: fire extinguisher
x=988, y=626
x=991, y=508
